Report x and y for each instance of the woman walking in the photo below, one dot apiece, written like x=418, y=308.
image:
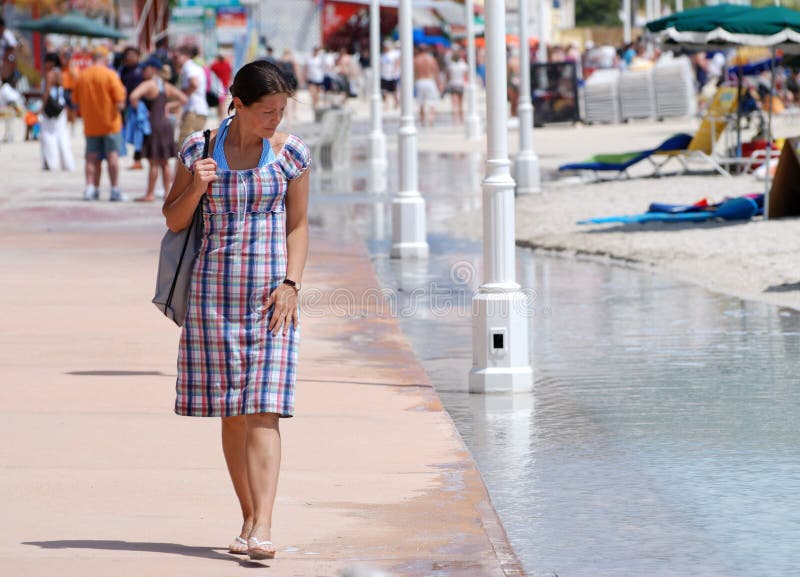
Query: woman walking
x=54, y=137
x=238, y=349
x=159, y=146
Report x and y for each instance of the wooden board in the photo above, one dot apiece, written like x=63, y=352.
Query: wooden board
x=784, y=196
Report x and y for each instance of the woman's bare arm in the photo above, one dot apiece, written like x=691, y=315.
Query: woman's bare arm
x=297, y=226
x=144, y=90
x=174, y=93
x=186, y=191
x=284, y=298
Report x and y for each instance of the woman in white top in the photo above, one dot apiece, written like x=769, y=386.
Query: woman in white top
x=457, y=70
x=315, y=75
x=54, y=136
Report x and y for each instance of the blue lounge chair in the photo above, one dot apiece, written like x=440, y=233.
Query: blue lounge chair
x=620, y=163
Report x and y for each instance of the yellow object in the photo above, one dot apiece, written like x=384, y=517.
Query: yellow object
x=715, y=120
x=719, y=112
x=748, y=54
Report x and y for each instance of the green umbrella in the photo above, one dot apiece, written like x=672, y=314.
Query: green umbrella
x=765, y=21
x=73, y=24
x=775, y=26
x=704, y=18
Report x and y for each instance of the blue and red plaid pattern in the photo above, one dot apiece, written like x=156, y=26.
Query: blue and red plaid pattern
x=228, y=362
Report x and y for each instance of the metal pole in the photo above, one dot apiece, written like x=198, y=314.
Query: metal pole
x=626, y=20
x=678, y=5
x=377, y=139
x=408, y=206
x=473, y=121
x=526, y=164
x=500, y=356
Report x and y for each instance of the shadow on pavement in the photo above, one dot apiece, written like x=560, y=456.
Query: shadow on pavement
x=117, y=373
x=144, y=547
x=783, y=288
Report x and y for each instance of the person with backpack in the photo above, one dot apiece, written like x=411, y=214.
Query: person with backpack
x=54, y=136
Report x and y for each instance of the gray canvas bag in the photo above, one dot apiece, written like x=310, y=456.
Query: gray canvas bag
x=176, y=259
x=179, y=251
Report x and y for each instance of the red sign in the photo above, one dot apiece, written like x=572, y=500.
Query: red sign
x=335, y=15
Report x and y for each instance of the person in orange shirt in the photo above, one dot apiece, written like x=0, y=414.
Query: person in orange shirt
x=100, y=96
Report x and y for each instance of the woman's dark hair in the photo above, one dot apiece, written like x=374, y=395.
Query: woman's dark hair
x=258, y=79
x=52, y=58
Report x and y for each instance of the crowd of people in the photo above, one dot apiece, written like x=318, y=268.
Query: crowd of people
x=129, y=105
x=144, y=105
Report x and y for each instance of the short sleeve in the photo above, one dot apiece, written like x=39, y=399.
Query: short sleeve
x=295, y=158
x=192, y=149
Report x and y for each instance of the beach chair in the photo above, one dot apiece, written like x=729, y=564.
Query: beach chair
x=681, y=147
x=331, y=147
x=703, y=144
x=621, y=162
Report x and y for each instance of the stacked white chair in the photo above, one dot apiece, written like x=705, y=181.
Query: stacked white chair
x=674, y=87
x=601, y=97
x=637, y=94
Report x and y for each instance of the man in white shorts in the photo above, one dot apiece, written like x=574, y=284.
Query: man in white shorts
x=427, y=81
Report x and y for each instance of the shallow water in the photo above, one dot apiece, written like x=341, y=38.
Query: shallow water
x=661, y=437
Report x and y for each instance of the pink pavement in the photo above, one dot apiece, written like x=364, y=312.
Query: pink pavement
x=99, y=477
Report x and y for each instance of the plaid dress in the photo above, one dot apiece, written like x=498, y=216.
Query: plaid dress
x=229, y=363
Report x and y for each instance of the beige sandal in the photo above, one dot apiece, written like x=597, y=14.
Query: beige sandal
x=239, y=546
x=258, y=550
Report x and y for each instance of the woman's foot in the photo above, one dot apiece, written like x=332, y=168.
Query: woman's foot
x=146, y=199
x=238, y=546
x=258, y=549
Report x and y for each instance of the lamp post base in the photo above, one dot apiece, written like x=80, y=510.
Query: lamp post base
x=408, y=227
x=376, y=180
x=500, y=357
x=473, y=127
x=527, y=174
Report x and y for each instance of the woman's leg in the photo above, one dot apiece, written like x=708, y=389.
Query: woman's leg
x=152, y=176
x=263, y=466
x=166, y=175
x=234, y=443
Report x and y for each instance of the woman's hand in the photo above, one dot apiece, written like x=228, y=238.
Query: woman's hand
x=205, y=172
x=283, y=301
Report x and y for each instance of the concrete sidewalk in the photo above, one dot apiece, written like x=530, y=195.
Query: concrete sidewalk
x=99, y=477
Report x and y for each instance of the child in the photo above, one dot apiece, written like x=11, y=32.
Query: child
x=32, y=122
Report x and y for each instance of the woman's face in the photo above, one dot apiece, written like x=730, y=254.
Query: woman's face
x=264, y=115
x=148, y=72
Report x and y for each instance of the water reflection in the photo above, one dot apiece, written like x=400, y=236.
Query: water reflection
x=662, y=436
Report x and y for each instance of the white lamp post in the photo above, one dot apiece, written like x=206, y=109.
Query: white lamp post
x=377, y=139
x=500, y=356
x=526, y=164
x=473, y=121
x=543, y=30
x=626, y=20
x=408, y=206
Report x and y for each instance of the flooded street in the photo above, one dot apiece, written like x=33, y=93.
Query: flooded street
x=662, y=436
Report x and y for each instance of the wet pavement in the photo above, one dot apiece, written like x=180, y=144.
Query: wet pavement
x=661, y=437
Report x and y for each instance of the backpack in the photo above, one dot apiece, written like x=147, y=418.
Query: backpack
x=54, y=104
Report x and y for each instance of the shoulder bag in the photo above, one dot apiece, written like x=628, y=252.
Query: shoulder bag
x=176, y=259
